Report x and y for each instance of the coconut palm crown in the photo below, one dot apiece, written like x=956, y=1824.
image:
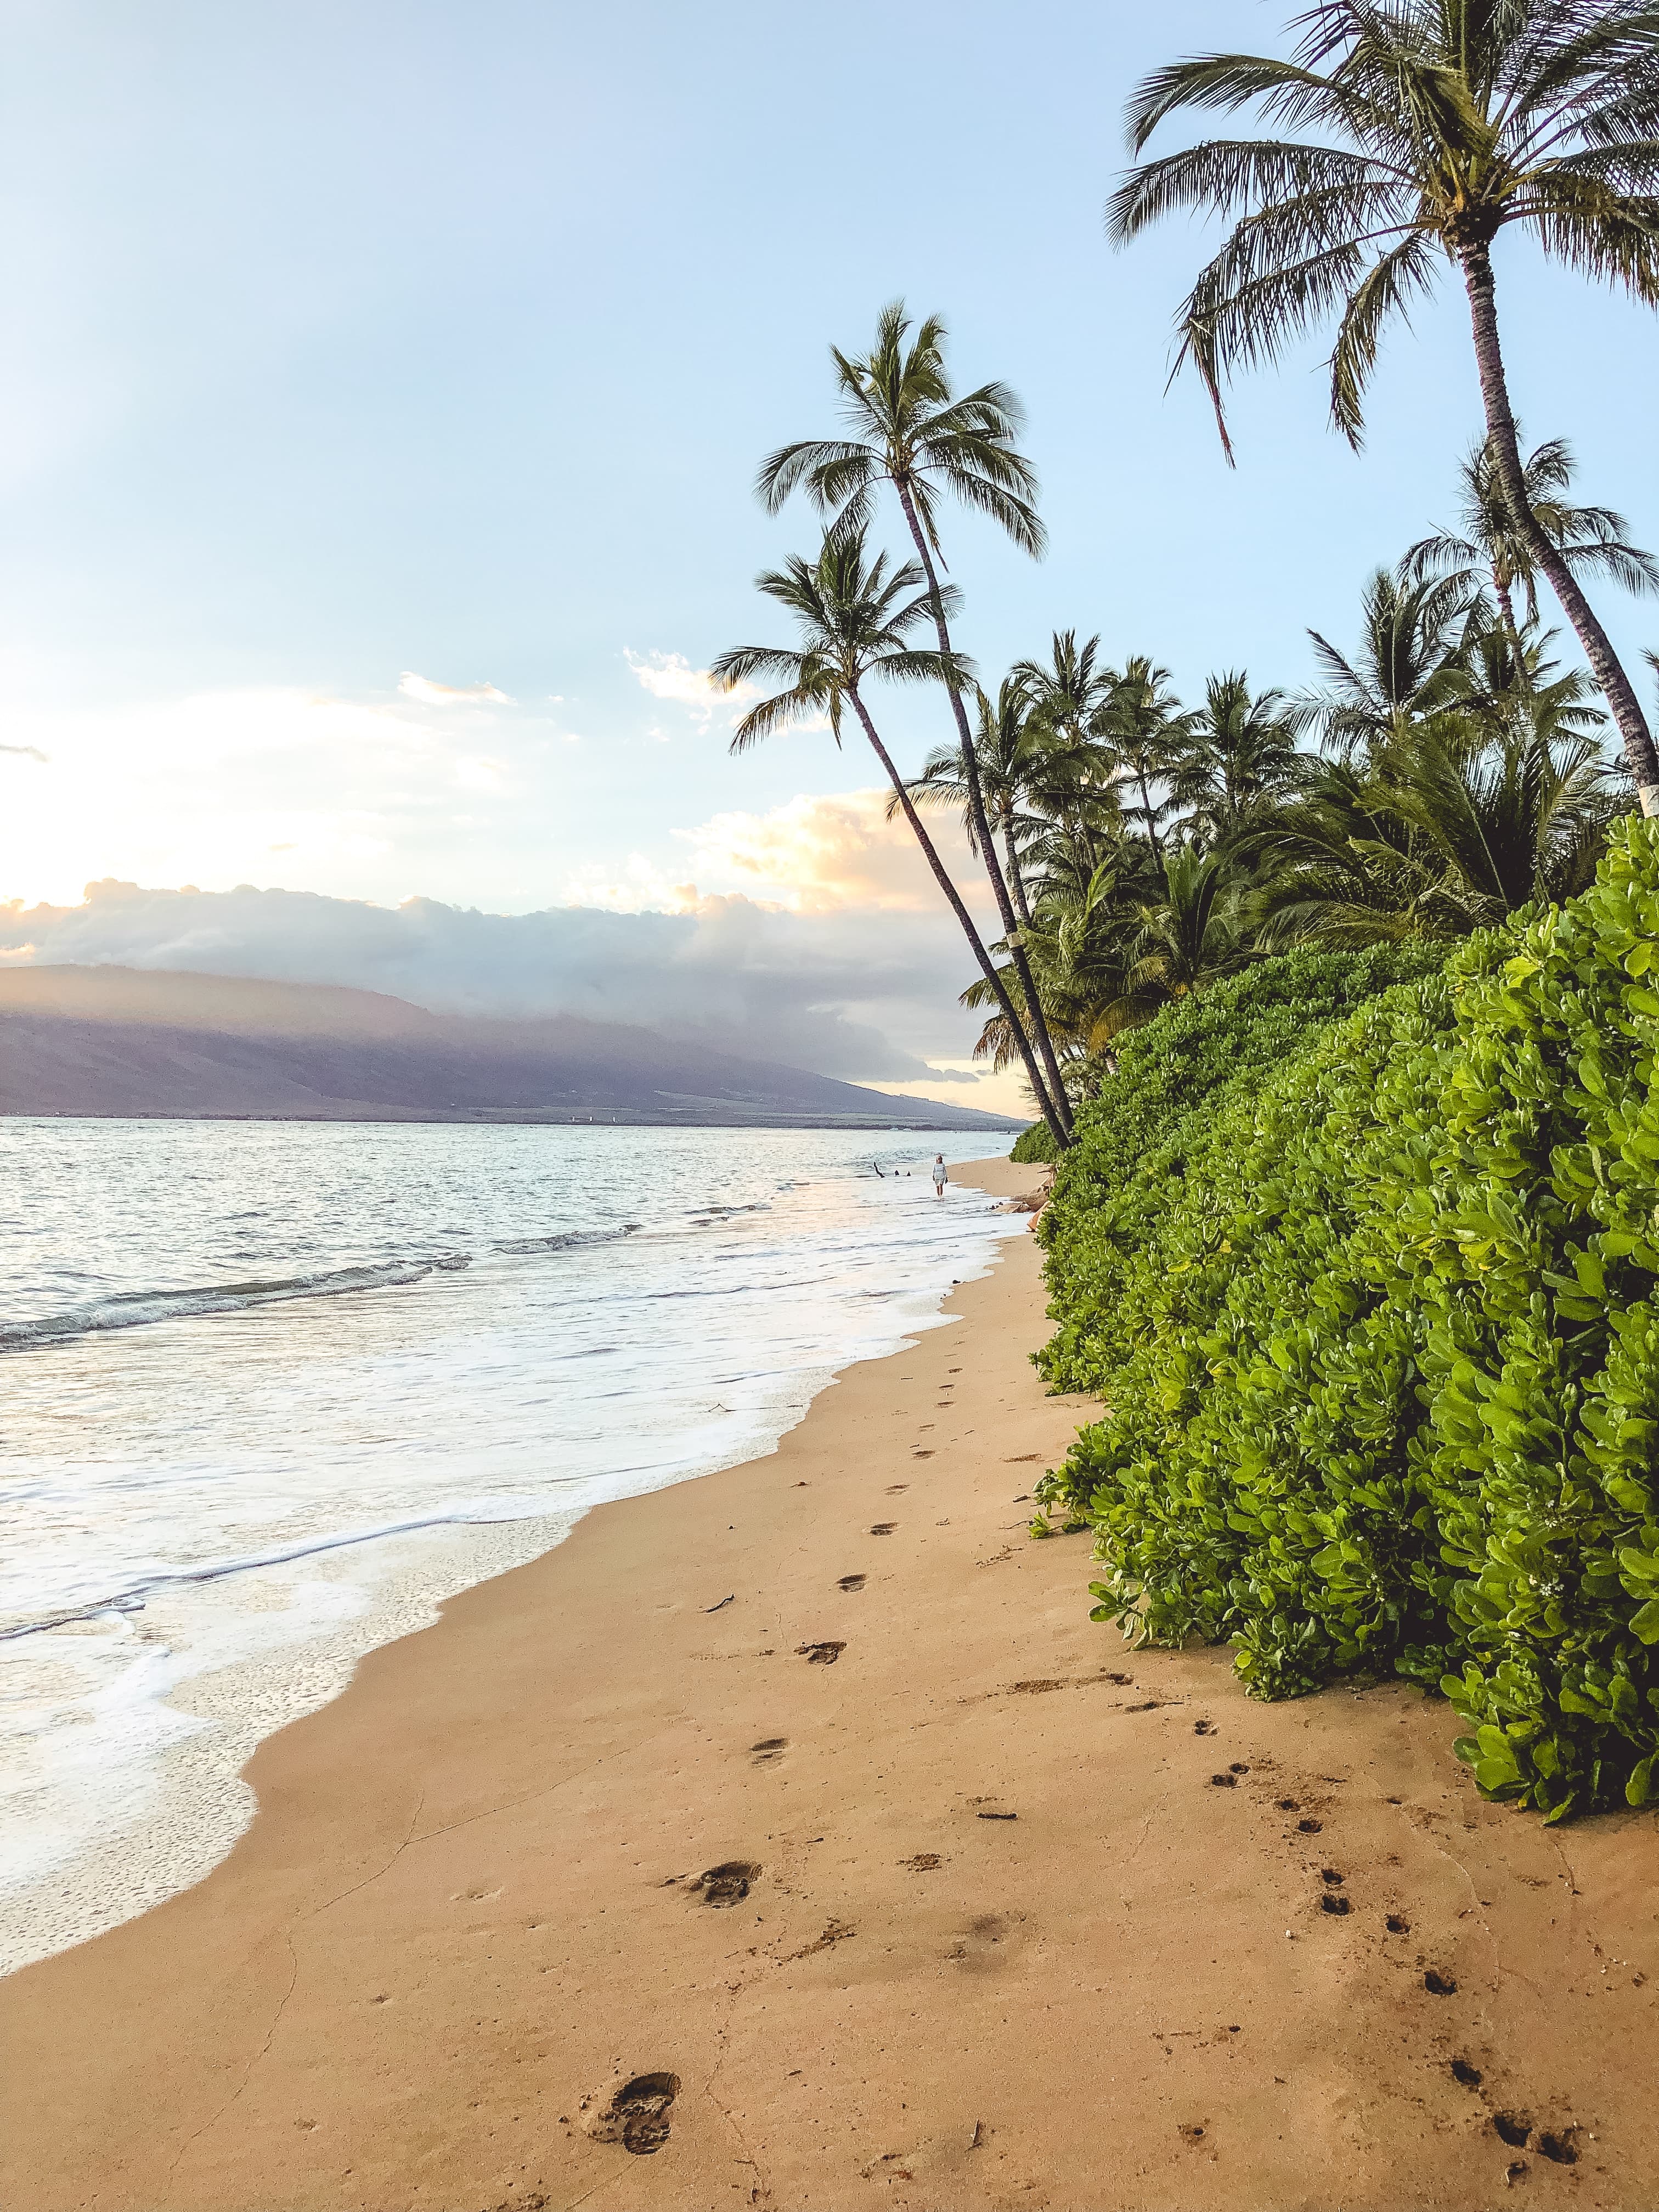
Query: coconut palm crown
x=1487, y=547
x=1444, y=121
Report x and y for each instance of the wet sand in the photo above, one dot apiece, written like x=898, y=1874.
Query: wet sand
x=1001, y=1916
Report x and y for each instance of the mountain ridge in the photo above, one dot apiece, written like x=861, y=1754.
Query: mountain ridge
x=173, y=1044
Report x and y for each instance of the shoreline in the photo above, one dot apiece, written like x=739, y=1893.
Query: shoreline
x=120, y=1815
x=987, y=1929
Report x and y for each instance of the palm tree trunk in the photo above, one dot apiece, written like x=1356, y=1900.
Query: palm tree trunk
x=1605, y=664
x=1062, y=1136
x=976, y=802
x=1146, y=805
x=1506, y=607
x=1016, y=880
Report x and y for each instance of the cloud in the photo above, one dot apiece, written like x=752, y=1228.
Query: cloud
x=24, y=753
x=670, y=676
x=866, y=995
x=821, y=855
x=449, y=694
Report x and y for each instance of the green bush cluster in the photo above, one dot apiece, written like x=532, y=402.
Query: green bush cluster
x=1171, y=1080
x=1375, y=1333
x=1208, y=1038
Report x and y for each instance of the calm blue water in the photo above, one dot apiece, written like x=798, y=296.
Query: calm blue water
x=269, y=1391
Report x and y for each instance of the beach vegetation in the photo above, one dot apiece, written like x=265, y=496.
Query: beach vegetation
x=1369, y=1298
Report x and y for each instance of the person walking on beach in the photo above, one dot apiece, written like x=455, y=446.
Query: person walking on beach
x=939, y=1174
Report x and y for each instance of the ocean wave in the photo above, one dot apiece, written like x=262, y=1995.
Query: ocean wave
x=137, y=1309
x=568, y=1240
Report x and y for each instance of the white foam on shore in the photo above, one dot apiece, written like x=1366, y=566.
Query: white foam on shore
x=183, y=1808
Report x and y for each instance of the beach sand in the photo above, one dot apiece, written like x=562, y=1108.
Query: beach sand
x=1028, y=1920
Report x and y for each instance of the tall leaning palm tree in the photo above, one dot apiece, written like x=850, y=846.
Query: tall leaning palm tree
x=1447, y=121
x=855, y=620
x=1487, y=548
x=909, y=429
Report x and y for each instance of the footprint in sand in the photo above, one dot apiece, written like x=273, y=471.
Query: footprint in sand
x=769, y=1750
x=982, y=1946
x=894, y=1488
x=729, y=1883
x=851, y=1582
x=884, y=1528
x=819, y=1655
x=637, y=2116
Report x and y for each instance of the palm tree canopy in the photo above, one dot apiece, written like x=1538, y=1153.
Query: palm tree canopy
x=1239, y=755
x=855, y=618
x=1442, y=122
x=1407, y=663
x=1008, y=749
x=1486, y=543
x=1067, y=688
x=906, y=427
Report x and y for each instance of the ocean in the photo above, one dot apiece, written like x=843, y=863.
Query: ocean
x=270, y=1392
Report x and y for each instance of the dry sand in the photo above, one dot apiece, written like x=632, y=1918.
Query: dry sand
x=468, y=1912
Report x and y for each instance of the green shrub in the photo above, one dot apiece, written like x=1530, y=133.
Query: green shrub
x=1383, y=1369
x=1036, y=1143
x=1172, y=1076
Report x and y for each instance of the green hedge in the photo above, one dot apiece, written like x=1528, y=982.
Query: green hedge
x=1383, y=1366
x=1133, y=1140
x=1036, y=1143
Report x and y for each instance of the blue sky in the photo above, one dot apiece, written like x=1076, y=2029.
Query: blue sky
x=365, y=339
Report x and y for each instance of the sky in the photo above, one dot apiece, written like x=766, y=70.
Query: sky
x=381, y=398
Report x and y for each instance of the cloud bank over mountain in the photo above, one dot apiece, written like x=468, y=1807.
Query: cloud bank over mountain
x=860, y=993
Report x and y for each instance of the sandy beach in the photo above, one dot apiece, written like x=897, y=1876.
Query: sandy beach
x=791, y=1838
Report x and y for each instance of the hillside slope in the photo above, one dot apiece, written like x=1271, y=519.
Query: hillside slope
x=143, y=1043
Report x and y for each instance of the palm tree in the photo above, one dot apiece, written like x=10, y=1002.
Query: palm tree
x=1488, y=546
x=1522, y=817
x=1238, y=756
x=1143, y=730
x=1077, y=940
x=855, y=620
x=1008, y=751
x=1449, y=819
x=909, y=430
x=1071, y=778
x=1451, y=120
x=1191, y=936
x=1407, y=663
x=1067, y=688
